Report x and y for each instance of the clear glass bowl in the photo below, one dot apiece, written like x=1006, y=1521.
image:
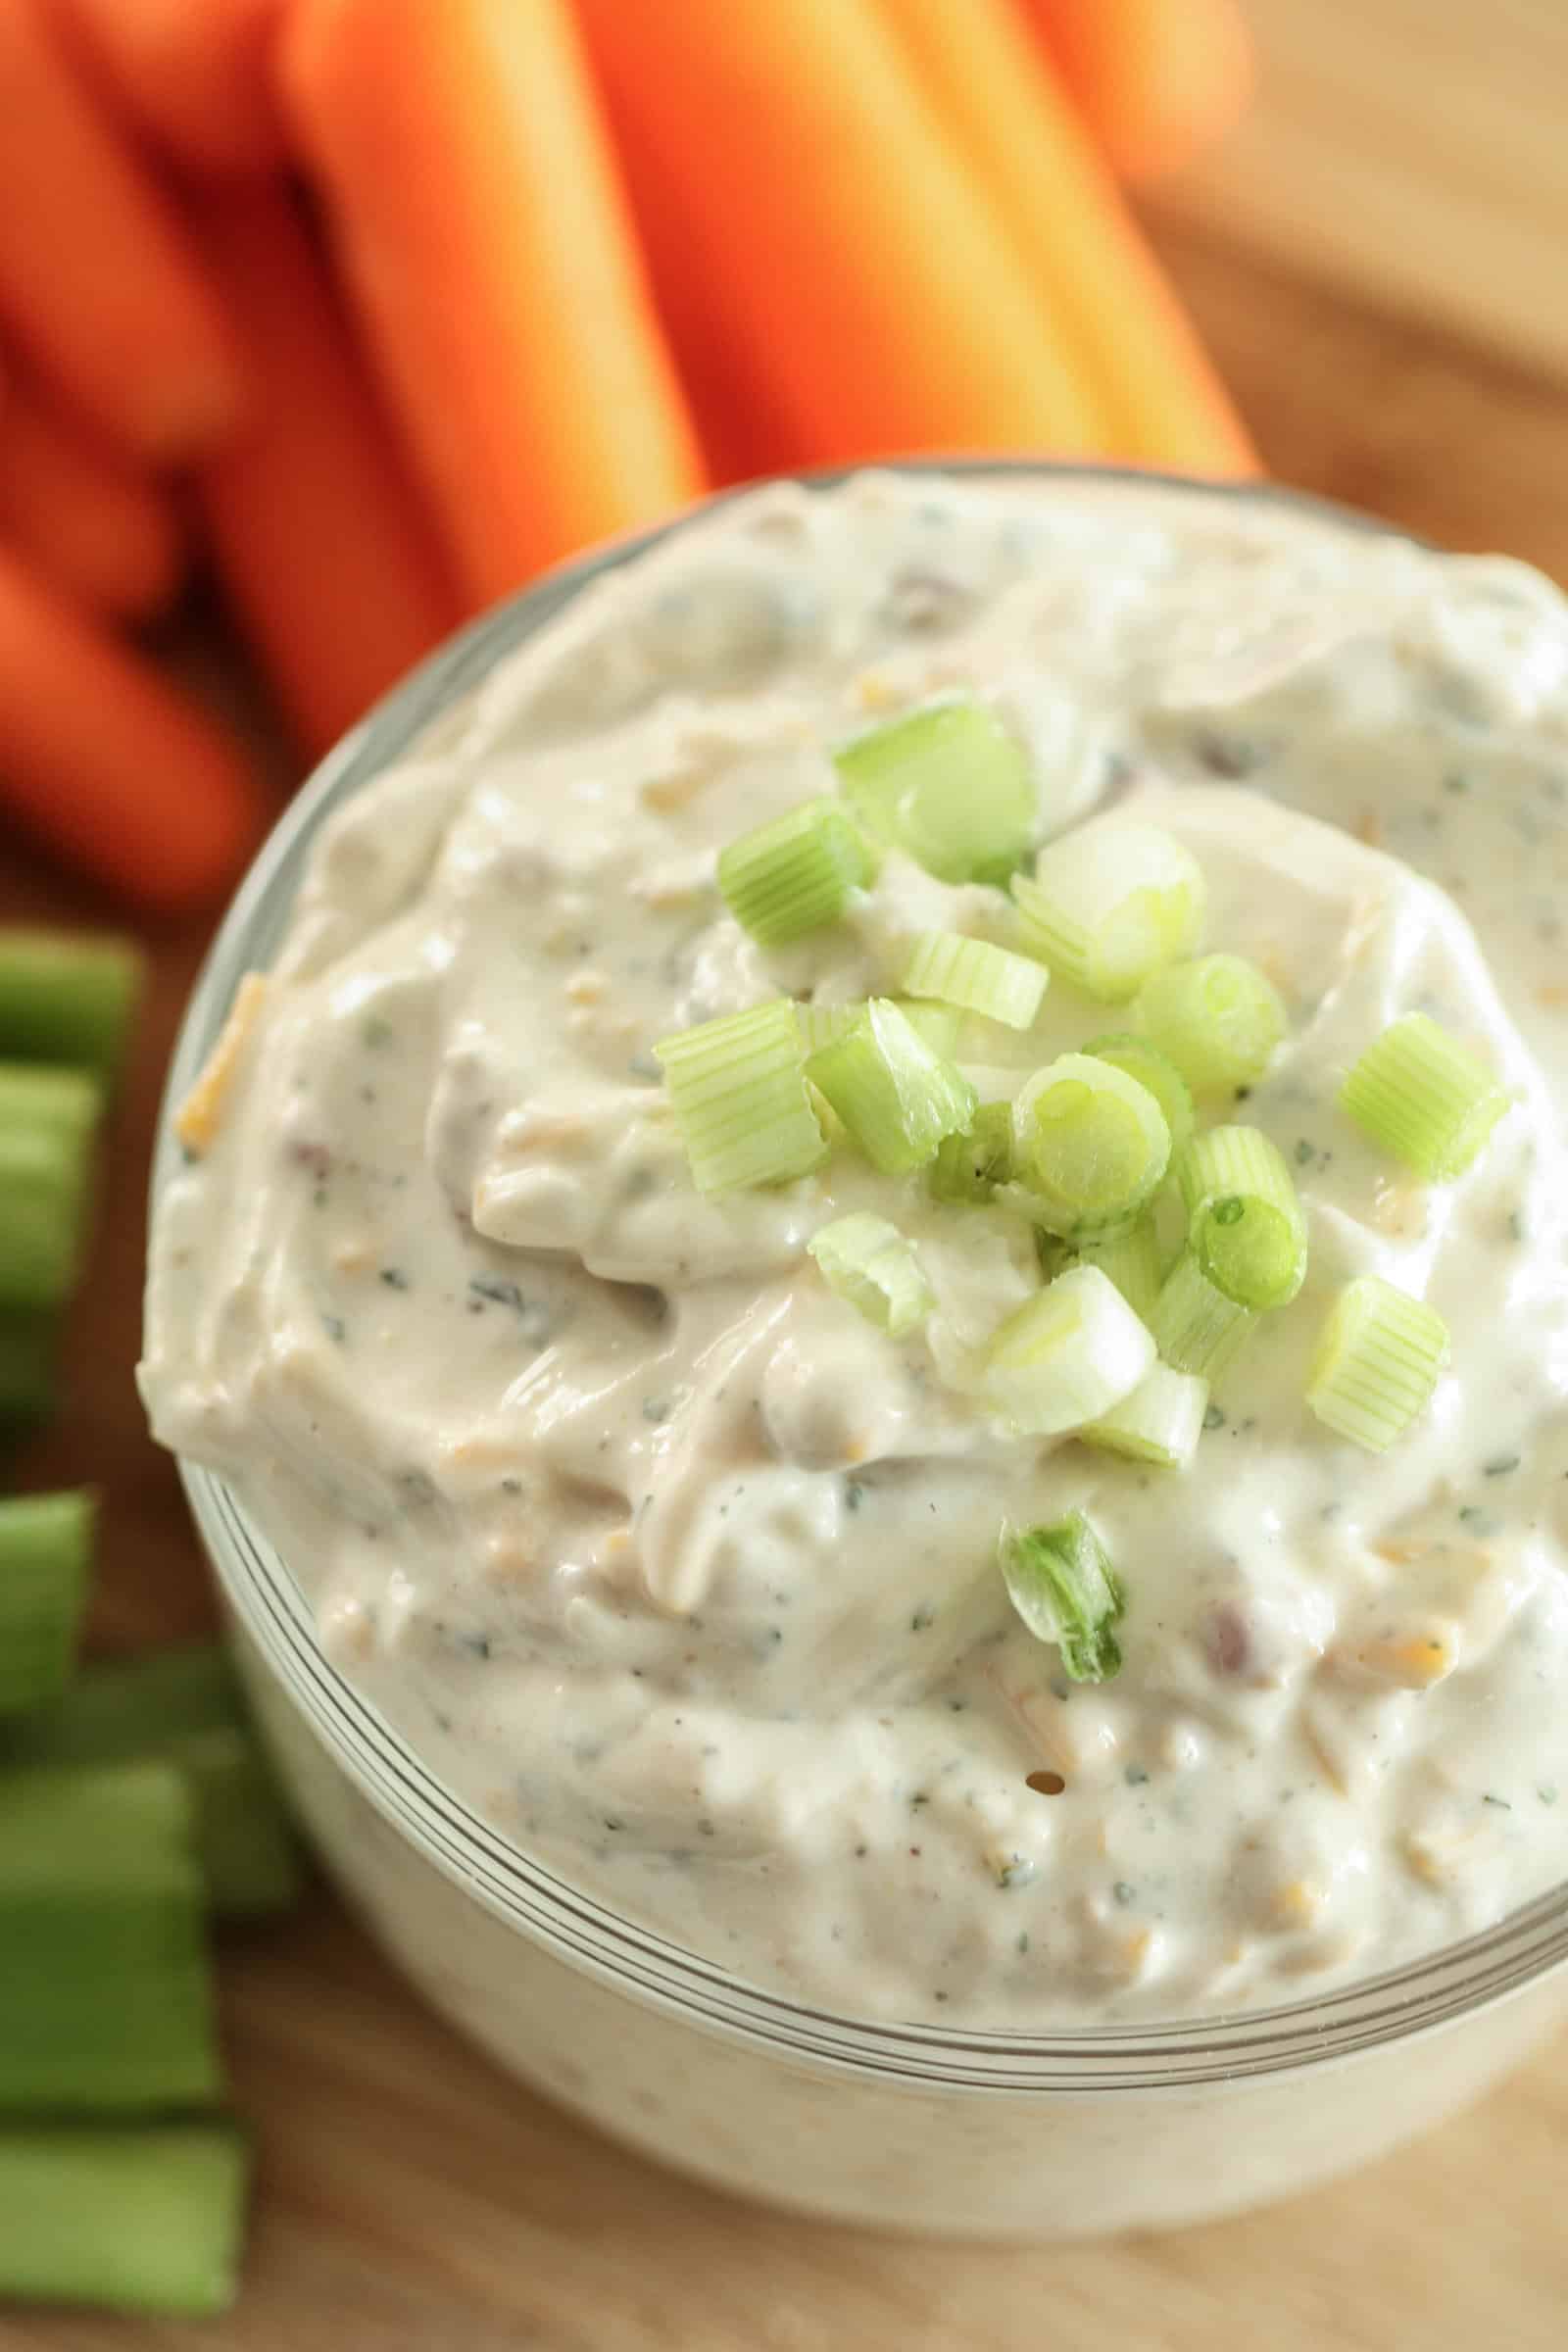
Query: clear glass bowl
x=999, y=2135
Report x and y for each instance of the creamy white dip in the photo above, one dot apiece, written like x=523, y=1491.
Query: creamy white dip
x=675, y=1567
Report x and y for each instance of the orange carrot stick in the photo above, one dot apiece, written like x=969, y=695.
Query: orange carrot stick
x=196, y=75
x=1092, y=272
x=1157, y=79
x=79, y=512
x=837, y=228
x=318, y=534
x=484, y=233
x=96, y=283
x=106, y=764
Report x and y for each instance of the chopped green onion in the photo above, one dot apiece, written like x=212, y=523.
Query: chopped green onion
x=1131, y=1262
x=1110, y=903
x=1061, y=1581
x=1133, y=1055
x=47, y=1122
x=1090, y=1145
x=1422, y=1095
x=1218, y=1018
x=1245, y=1221
x=824, y=1024
x=1196, y=1327
x=107, y=2000
x=146, y=2219
x=938, y=1024
x=897, y=1098
x=1377, y=1363
x=1067, y=1357
x=46, y=1564
x=68, y=999
x=971, y=972
x=796, y=875
x=948, y=785
x=868, y=1262
x=1161, y=1422
x=970, y=1166
x=738, y=1091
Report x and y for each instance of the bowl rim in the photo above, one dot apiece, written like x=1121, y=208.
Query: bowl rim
x=1456, y=1980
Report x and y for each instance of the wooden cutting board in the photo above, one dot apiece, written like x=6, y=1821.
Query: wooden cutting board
x=1377, y=259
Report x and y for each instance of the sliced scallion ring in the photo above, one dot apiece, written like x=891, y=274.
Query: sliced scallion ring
x=1218, y=1019
x=1125, y=1051
x=1422, y=1095
x=1110, y=903
x=1245, y=1220
x=970, y=1167
x=1159, y=1422
x=1069, y=1354
x=1090, y=1145
x=971, y=972
x=1061, y=1581
x=793, y=876
x=948, y=785
x=1196, y=1327
x=1379, y=1358
x=896, y=1098
x=868, y=1262
x=1132, y=1260
x=737, y=1087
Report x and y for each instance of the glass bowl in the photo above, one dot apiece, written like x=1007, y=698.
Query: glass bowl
x=999, y=2135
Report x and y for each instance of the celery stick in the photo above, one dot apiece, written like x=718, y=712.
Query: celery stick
x=47, y=1121
x=105, y=1992
x=145, y=2219
x=46, y=1543
x=67, y=999
x=183, y=1707
x=28, y=1346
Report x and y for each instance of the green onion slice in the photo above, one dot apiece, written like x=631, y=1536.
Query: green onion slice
x=1067, y=1357
x=796, y=875
x=869, y=1262
x=1196, y=1327
x=1161, y=1422
x=1061, y=1581
x=938, y=1024
x=1110, y=903
x=738, y=1090
x=1245, y=1221
x=1218, y=1018
x=1125, y=1051
x=1132, y=1260
x=948, y=785
x=971, y=972
x=970, y=1167
x=1422, y=1095
x=897, y=1098
x=1378, y=1360
x=1091, y=1146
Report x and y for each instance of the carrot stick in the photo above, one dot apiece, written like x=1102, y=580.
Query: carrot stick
x=1091, y=270
x=195, y=75
x=106, y=764
x=837, y=228
x=96, y=283
x=318, y=535
x=80, y=513
x=1157, y=79
x=484, y=233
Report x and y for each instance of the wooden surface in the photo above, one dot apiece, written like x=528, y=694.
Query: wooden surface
x=1378, y=262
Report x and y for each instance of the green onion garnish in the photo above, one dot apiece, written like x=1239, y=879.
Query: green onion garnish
x=948, y=785
x=1161, y=1422
x=971, y=972
x=938, y=1024
x=969, y=1166
x=1377, y=1363
x=796, y=875
x=1132, y=1260
x=1109, y=904
x=1196, y=1327
x=1133, y=1055
x=868, y=1262
x=1067, y=1357
x=1061, y=1581
x=1422, y=1095
x=1245, y=1221
x=738, y=1090
x=1089, y=1144
x=824, y=1024
x=897, y=1098
x=1218, y=1018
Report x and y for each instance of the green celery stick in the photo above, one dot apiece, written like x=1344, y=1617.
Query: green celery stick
x=67, y=999
x=28, y=1346
x=145, y=2219
x=46, y=1545
x=105, y=1992
x=48, y=1118
x=182, y=1706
